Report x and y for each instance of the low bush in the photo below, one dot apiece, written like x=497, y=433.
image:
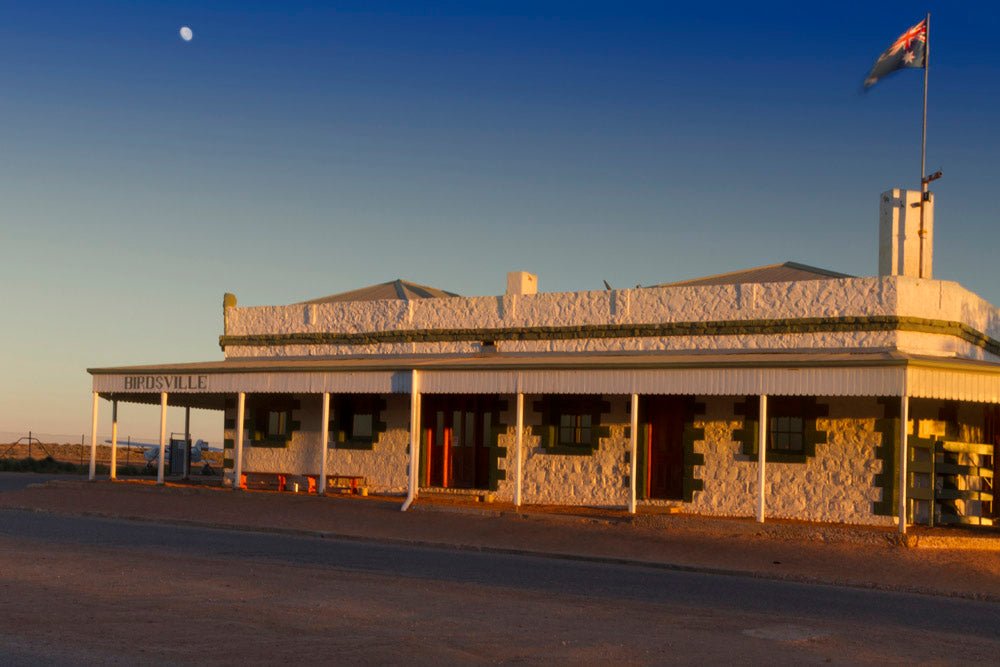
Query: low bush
x=47, y=465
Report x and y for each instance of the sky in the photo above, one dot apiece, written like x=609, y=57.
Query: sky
x=296, y=149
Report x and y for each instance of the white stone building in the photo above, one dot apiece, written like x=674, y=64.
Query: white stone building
x=626, y=398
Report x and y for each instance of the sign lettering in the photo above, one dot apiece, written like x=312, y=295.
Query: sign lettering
x=166, y=383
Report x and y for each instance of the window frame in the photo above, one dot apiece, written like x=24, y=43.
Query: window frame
x=258, y=421
x=782, y=412
x=808, y=408
x=344, y=411
x=555, y=408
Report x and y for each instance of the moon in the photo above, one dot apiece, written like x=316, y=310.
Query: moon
x=186, y=33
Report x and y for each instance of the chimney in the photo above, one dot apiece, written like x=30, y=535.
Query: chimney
x=521, y=283
x=900, y=251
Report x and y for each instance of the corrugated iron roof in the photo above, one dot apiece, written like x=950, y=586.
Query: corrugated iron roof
x=542, y=360
x=772, y=273
x=394, y=289
x=830, y=373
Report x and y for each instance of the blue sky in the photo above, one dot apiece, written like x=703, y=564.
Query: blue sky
x=297, y=149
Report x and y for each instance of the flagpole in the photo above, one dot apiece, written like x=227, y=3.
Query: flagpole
x=923, y=140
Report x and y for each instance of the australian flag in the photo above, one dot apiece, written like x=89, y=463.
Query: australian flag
x=910, y=50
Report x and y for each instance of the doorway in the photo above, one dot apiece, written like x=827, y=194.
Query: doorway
x=665, y=447
x=457, y=432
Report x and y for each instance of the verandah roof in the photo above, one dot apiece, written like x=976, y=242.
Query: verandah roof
x=835, y=373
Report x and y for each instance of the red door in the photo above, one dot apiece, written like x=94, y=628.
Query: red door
x=665, y=447
x=457, y=431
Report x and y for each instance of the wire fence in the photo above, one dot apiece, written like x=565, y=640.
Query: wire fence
x=71, y=438
x=41, y=452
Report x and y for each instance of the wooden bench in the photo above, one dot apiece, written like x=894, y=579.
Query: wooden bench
x=352, y=483
x=264, y=480
x=279, y=482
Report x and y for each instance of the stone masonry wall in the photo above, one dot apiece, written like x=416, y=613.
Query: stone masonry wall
x=835, y=485
x=385, y=466
x=599, y=479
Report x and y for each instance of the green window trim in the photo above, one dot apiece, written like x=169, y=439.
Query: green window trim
x=553, y=408
x=258, y=415
x=747, y=436
x=228, y=453
x=347, y=407
x=496, y=452
x=691, y=457
x=255, y=418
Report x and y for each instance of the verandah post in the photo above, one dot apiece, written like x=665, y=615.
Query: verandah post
x=633, y=443
x=187, y=442
x=761, y=458
x=93, y=438
x=414, y=440
x=114, y=440
x=240, y=430
x=519, y=444
x=324, y=425
x=904, y=418
x=163, y=437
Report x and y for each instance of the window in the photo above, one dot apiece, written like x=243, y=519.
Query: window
x=787, y=434
x=361, y=426
x=792, y=434
x=277, y=424
x=791, y=428
x=574, y=429
x=270, y=420
x=572, y=424
x=787, y=416
x=354, y=421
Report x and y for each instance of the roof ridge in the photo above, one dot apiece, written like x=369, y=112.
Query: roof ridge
x=753, y=275
x=396, y=289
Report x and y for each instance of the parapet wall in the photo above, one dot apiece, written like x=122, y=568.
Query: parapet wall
x=835, y=299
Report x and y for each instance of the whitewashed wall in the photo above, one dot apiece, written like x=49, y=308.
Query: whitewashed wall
x=896, y=295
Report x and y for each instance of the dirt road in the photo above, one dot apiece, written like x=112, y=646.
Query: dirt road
x=89, y=591
x=799, y=552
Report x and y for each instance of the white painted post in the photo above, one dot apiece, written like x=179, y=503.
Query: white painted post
x=519, y=444
x=163, y=437
x=114, y=440
x=187, y=441
x=414, y=440
x=93, y=438
x=761, y=458
x=904, y=418
x=324, y=425
x=240, y=430
x=633, y=444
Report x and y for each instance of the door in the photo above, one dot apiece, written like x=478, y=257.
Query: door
x=457, y=437
x=665, y=447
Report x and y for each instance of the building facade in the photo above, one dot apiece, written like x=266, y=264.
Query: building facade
x=783, y=391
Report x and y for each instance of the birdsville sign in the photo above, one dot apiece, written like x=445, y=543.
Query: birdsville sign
x=166, y=382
